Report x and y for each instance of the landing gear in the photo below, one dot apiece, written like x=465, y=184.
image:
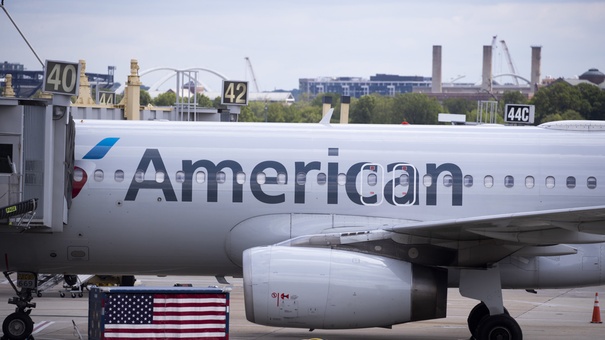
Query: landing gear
x=477, y=314
x=488, y=320
x=19, y=325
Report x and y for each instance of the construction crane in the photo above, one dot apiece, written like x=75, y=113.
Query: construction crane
x=511, y=66
x=252, y=73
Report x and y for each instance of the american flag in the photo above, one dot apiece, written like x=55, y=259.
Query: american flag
x=166, y=316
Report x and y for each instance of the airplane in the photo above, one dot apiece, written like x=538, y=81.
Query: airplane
x=332, y=226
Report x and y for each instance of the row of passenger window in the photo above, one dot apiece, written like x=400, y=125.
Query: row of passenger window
x=509, y=181
x=301, y=179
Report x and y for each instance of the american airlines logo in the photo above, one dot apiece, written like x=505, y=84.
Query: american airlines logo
x=274, y=182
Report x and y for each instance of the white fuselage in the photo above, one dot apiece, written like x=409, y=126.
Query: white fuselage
x=165, y=196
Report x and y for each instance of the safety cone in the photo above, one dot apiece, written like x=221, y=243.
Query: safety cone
x=596, y=312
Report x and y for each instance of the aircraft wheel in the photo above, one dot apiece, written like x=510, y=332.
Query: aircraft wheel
x=73, y=295
x=498, y=327
x=17, y=326
x=39, y=294
x=477, y=314
x=80, y=294
x=62, y=294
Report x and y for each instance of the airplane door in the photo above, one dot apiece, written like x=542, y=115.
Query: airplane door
x=372, y=184
x=404, y=184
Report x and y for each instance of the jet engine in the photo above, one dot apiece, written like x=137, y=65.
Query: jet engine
x=332, y=289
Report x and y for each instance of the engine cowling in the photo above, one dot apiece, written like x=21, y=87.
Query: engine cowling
x=330, y=289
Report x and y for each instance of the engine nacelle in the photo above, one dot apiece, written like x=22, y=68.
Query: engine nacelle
x=330, y=289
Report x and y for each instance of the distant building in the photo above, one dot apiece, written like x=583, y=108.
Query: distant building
x=383, y=84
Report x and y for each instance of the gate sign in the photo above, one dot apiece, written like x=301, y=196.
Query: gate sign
x=519, y=113
x=234, y=92
x=107, y=98
x=61, y=77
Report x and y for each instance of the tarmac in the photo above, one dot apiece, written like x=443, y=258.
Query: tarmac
x=549, y=314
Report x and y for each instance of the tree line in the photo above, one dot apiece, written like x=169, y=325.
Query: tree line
x=559, y=101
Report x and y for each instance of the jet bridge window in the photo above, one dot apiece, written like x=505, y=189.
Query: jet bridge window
x=570, y=182
x=6, y=156
x=591, y=182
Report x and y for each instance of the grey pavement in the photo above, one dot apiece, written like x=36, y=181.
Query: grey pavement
x=549, y=314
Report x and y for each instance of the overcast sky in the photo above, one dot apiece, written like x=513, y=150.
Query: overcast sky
x=288, y=40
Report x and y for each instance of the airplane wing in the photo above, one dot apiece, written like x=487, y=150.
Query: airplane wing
x=576, y=225
x=471, y=241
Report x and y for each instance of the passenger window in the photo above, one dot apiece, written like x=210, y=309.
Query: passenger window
x=240, y=178
x=509, y=181
x=550, y=182
x=200, y=177
x=118, y=176
x=261, y=178
x=281, y=178
x=372, y=180
x=448, y=181
x=404, y=180
x=570, y=182
x=591, y=183
x=221, y=177
x=160, y=176
x=180, y=176
x=139, y=176
x=530, y=182
x=301, y=178
x=321, y=178
x=488, y=181
x=78, y=175
x=468, y=181
x=427, y=180
x=342, y=179
x=99, y=175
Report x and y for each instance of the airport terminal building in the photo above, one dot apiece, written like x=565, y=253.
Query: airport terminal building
x=383, y=84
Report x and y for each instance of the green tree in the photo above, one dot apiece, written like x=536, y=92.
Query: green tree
x=594, y=101
x=165, y=99
x=556, y=99
x=415, y=108
x=362, y=109
x=460, y=106
x=203, y=101
x=145, y=98
x=567, y=115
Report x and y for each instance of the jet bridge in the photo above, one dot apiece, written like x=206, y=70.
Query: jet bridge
x=37, y=139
